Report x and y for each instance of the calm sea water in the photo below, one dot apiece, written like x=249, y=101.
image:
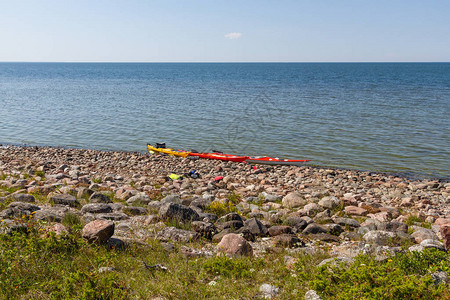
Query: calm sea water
x=380, y=117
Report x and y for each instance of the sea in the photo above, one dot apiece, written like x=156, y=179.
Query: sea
x=382, y=117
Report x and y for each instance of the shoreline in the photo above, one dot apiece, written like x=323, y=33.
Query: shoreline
x=287, y=212
x=406, y=175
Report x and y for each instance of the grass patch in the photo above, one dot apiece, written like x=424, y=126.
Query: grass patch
x=67, y=267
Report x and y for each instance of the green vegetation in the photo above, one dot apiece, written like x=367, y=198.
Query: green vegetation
x=66, y=267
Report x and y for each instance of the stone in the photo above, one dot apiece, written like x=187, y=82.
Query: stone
x=230, y=217
x=98, y=231
x=329, y=202
x=96, y=208
x=234, y=225
x=432, y=244
x=325, y=237
x=287, y=241
x=315, y=228
x=206, y=229
x=312, y=295
x=65, y=199
x=393, y=226
x=293, y=200
x=58, y=229
x=336, y=261
x=177, y=235
x=296, y=222
x=269, y=291
x=171, y=199
x=424, y=234
x=256, y=227
x=98, y=197
x=355, y=211
x=234, y=245
x=178, y=213
x=24, y=198
x=440, y=277
x=311, y=209
x=139, y=200
x=445, y=233
x=379, y=237
x=135, y=210
x=280, y=229
x=346, y=222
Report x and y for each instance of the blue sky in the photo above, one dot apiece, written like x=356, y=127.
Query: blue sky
x=224, y=31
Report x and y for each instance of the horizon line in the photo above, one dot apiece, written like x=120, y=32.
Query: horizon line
x=224, y=62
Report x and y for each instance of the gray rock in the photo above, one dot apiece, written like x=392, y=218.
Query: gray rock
x=114, y=216
x=312, y=295
x=393, y=226
x=177, y=235
x=296, y=222
x=270, y=197
x=139, y=200
x=65, y=199
x=135, y=210
x=256, y=227
x=287, y=241
x=98, y=197
x=346, y=222
x=234, y=225
x=96, y=208
x=230, y=217
x=171, y=199
x=440, y=277
x=424, y=234
x=201, y=203
x=24, y=206
x=24, y=198
x=178, y=212
x=269, y=291
x=379, y=237
x=329, y=202
x=432, y=244
x=206, y=229
x=335, y=261
x=293, y=200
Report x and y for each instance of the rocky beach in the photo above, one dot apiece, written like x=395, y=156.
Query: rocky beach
x=234, y=209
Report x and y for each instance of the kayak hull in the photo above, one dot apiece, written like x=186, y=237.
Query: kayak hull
x=275, y=161
x=168, y=151
x=220, y=156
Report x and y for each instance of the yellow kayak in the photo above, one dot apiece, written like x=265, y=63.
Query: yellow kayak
x=168, y=151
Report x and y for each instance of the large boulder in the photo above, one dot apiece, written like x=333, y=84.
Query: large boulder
x=98, y=231
x=294, y=199
x=234, y=245
x=256, y=227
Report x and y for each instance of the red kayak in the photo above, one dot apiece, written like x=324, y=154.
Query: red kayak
x=220, y=156
x=275, y=161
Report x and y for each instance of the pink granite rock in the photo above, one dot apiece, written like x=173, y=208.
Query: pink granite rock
x=234, y=245
x=98, y=231
x=356, y=211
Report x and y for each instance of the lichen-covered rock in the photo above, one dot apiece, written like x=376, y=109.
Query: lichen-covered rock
x=177, y=235
x=65, y=199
